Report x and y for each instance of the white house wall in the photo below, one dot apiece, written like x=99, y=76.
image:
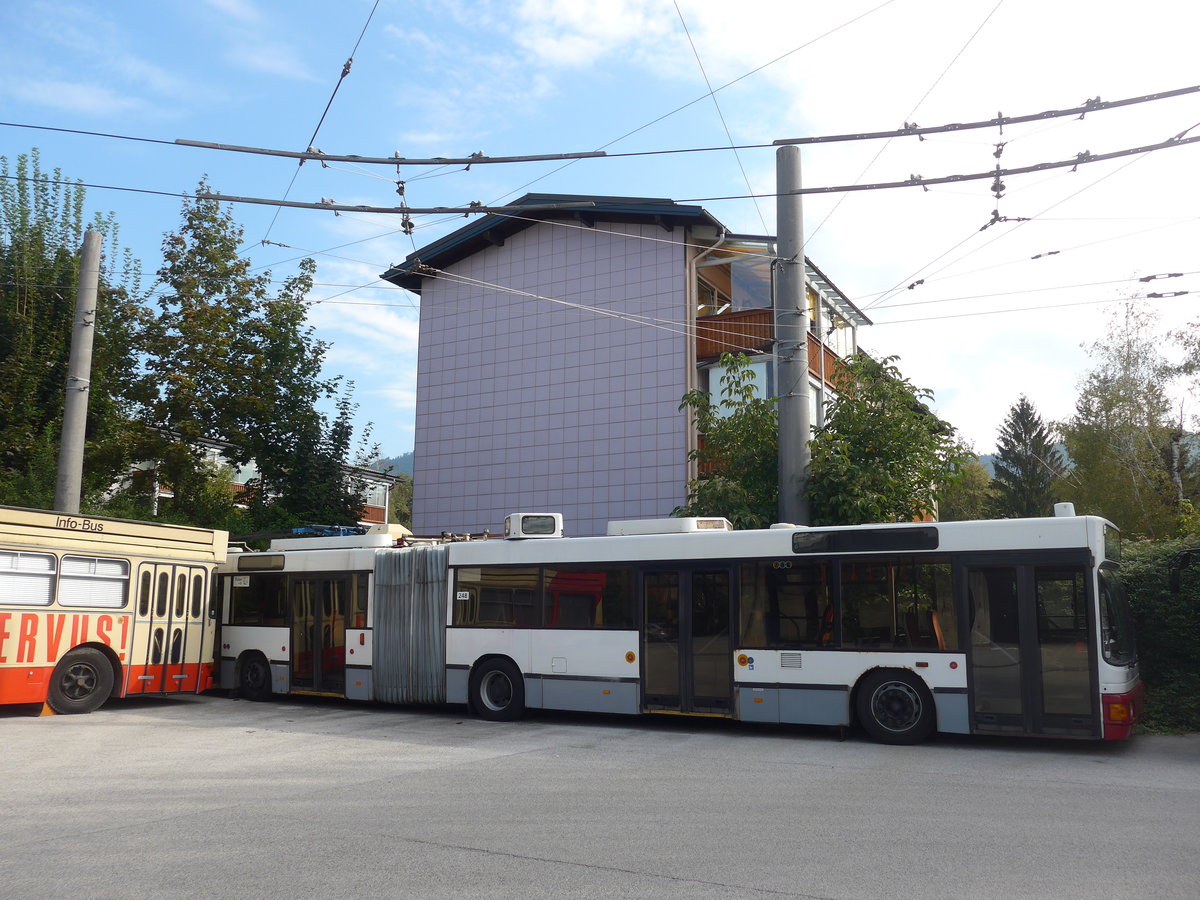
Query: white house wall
x=527, y=404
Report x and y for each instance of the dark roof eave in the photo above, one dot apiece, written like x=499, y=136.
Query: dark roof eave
x=484, y=232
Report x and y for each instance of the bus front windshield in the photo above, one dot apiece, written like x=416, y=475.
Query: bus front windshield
x=1116, y=621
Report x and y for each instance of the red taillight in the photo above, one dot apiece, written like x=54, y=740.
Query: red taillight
x=1121, y=712
x=1118, y=712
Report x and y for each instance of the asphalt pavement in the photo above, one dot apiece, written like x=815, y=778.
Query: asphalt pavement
x=208, y=797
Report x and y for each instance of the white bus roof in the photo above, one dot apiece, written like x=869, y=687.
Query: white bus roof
x=999, y=534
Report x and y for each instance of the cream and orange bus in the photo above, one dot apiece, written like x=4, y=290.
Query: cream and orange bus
x=92, y=608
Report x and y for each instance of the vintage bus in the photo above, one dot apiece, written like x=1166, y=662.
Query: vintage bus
x=998, y=627
x=92, y=608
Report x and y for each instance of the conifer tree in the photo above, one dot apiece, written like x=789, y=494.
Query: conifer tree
x=1027, y=464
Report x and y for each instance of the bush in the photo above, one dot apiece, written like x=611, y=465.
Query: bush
x=1168, y=633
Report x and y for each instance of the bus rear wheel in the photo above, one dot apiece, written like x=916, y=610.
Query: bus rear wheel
x=82, y=681
x=498, y=690
x=254, y=679
x=894, y=707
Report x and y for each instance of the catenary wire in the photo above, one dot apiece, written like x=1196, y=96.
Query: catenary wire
x=720, y=114
x=345, y=71
x=912, y=113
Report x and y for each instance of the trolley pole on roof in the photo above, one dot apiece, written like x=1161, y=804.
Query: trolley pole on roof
x=79, y=373
x=791, y=341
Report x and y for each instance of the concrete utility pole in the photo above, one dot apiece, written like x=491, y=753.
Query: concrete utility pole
x=79, y=373
x=791, y=341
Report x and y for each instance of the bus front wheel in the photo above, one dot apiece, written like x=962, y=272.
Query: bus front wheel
x=894, y=707
x=254, y=680
x=82, y=681
x=498, y=690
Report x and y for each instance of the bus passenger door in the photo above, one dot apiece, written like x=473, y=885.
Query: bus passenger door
x=686, y=643
x=150, y=668
x=319, y=632
x=1031, y=649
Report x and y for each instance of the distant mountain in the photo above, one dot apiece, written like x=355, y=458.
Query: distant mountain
x=987, y=461
x=399, y=465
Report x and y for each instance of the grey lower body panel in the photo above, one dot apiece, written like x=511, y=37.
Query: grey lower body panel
x=228, y=677
x=603, y=695
x=456, y=683
x=794, y=704
x=281, y=677
x=358, y=683
x=953, y=713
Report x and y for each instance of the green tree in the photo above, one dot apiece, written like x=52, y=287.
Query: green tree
x=41, y=231
x=1028, y=465
x=1120, y=436
x=970, y=496
x=738, y=457
x=400, y=500
x=881, y=455
x=228, y=358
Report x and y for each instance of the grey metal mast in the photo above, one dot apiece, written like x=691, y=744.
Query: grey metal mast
x=79, y=372
x=791, y=341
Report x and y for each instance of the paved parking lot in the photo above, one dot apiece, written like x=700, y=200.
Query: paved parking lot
x=209, y=797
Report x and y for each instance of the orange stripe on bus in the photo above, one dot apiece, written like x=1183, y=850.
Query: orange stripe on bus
x=24, y=684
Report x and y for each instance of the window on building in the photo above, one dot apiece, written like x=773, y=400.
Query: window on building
x=750, y=280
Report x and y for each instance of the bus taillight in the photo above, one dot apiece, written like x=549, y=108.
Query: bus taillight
x=1121, y=712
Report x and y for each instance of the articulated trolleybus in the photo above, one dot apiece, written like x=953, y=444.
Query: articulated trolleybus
x=1001, y=627
x=92, y=608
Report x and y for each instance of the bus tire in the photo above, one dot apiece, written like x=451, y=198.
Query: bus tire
x=254, y=677
x=895, y=707
x=82, y=681
x=498, y=690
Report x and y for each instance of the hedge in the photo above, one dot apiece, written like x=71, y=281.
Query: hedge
x=1168, y=633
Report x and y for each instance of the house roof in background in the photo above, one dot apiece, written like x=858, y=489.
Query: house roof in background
x=493, y=229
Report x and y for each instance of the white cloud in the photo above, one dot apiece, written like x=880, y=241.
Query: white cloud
x=579, y=33
x=90, y=99
x=399, y=398
x=242, y=10
x=259, y=55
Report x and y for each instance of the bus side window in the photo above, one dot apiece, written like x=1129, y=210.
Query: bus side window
x=785, y=604
x=197, y=595
x=260, y=602
x=163, y=601
x=500, y=596
x=589, y=596
x=144, y=595
x=359, y=619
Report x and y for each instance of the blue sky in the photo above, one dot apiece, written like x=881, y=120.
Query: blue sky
x=544, y=76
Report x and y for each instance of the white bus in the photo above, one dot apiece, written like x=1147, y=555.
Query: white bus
x=998, y=627
x=92, y=608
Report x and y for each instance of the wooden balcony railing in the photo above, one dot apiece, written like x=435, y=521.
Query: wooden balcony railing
x=753, y=329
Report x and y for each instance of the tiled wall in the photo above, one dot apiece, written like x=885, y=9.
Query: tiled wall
x=526, y=404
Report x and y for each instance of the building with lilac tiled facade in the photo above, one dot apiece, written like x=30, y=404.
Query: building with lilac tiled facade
x=555, y=347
